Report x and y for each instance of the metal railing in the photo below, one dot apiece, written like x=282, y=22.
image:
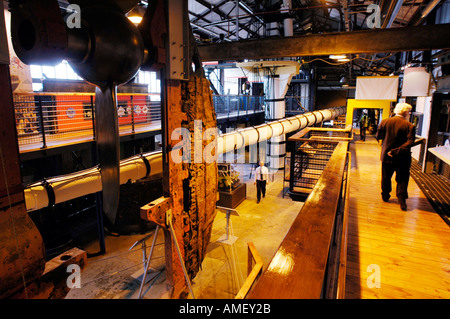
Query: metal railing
x=307, y=164
x=312, y=147
x=43, y=119
x=237, y=105
x=296, y=104
x=50, y=119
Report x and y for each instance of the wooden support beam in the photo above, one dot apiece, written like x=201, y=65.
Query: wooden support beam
x=253, y=272
x=368, y=41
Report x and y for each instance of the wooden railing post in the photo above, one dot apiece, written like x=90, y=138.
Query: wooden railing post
x=253, y=272
x=340, y=291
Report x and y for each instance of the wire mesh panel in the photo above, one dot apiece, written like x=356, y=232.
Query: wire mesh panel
x=136, y=111
x=296, y=104
x=67, y=116
x=53, y=119
x=307, y=164
x=27, y=120
x=155, y=110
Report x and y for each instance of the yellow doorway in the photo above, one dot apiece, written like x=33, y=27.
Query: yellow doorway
x=384, y=105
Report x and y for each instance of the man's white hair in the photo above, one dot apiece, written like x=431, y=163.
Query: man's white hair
x=402, y=107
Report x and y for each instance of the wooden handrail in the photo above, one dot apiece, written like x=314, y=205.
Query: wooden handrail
x=298, y=268
x=253, y=272
x=300, y=135
x=340, y=294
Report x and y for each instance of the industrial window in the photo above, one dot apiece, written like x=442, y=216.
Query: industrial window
x=65, y=72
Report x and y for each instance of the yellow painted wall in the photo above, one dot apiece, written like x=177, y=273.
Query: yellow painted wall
x=352, y=104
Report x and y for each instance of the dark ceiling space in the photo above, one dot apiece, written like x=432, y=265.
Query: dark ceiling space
x=217, y=21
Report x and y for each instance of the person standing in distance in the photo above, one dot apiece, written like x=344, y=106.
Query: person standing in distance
x=261, y=179
x=363, y=124
x=397, y=135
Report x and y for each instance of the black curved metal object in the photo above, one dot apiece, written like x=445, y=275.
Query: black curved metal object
x=108, y=150
x=38, y=32
x=106, y=51
x=115, y=56
x=116, y=48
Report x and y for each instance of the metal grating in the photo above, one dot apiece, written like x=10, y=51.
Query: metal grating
x=47, y=118
x=307, y=164
x=435, y=187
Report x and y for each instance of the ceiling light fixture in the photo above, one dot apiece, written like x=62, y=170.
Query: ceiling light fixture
x=135, y=19
x=136, y=14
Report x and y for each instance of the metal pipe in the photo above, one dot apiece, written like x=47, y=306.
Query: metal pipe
x=237, y=20
x=64, y=188
x=288, y=22
x=393, y=14
x=68, y=187
x=426, y=11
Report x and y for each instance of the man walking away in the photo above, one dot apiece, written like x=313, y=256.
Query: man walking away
x=397, y=135
x=261, y=179
x=363, y=124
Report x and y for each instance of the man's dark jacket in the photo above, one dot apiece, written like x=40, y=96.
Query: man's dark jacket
x=398, y=136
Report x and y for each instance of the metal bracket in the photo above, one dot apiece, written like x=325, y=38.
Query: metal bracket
x=155, y=211
x=177, y=40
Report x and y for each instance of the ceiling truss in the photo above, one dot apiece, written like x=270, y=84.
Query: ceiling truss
x=216, y=21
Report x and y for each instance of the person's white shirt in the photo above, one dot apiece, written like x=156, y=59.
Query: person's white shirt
x=262, y=173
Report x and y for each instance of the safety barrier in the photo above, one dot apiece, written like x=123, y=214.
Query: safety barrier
x=311, y=259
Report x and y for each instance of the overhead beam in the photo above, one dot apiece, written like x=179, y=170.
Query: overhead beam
x=224, y=16
x=415, y=38
x=208, y=11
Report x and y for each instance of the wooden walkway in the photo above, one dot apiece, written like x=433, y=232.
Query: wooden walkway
x=392, y=254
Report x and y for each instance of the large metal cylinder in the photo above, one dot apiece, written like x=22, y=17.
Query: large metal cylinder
x=116, y=49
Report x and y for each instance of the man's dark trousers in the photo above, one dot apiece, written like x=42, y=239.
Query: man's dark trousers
x=401, y=169
x=260, y=188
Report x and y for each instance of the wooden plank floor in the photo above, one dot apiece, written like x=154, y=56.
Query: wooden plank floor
x=407, y=253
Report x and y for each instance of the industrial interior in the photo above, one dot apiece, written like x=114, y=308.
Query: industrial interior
x=221, y=149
